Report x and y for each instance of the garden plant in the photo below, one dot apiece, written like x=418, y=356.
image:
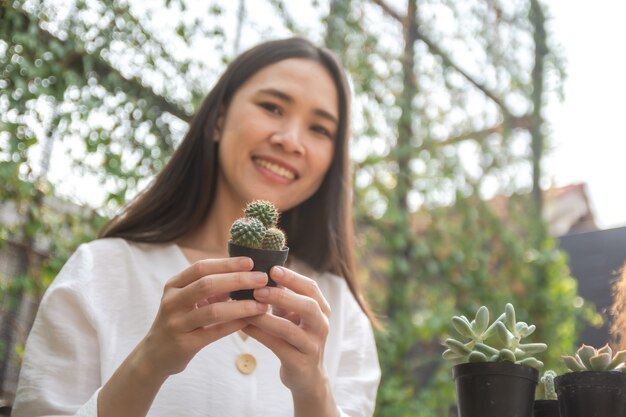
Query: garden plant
x=495, y=373
x=595, y=385
x=257, y=236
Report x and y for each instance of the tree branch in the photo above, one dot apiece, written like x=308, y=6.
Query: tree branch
x=74, y=62
x=447, y=60
x=436, y=50
x=538, y=21
x=103, y=69
x=390, y=11
x=523, y=122
x=477, y=135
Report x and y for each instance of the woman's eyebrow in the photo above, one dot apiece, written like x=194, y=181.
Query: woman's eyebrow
x=287, y=98
x=278, y=94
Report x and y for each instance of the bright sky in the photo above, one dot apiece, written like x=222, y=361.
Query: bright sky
x=588, y=131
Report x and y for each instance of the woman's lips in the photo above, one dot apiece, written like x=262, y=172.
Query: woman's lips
x=275, y=168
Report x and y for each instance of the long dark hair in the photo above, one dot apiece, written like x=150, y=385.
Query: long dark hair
x=320, y=229
x=618, y=311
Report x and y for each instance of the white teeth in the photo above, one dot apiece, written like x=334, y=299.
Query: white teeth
x=276, y=169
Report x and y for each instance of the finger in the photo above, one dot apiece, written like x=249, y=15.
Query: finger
x=280, y=312
x=218, y=284
x=301, y=285
x=277, y=311
x=283, y=350
x=209, y=334
x=284, y=330
x=208, y=267
x=307, y=308
x=222, y=312
x=292, y=317
x=213, y=299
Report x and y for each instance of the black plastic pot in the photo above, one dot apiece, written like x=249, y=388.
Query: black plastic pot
x=495, y=389
x=591, y=394
x=263, y=259
x=546, y=408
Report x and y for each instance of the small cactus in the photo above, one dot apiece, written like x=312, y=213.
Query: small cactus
x=546, y=384
x=247, y=231
x=588, y=358
x=274, y=239
x=263, y=210
x=504, y=335
x=257, y=229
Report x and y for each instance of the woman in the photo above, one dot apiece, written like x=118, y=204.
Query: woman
x=139, y=322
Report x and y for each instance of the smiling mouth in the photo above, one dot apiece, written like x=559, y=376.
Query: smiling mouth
x=276, y=169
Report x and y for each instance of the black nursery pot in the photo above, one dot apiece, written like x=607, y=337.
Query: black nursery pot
x=264, y=260
x=546, y=408
x=591, y=394
x=495, y=389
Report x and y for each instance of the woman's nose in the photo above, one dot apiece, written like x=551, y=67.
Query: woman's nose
x=289, y=138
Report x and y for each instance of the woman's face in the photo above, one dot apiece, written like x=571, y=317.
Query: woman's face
x=278, y=134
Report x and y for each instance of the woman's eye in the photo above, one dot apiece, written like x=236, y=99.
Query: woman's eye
x=322, y=131
x=271, y=107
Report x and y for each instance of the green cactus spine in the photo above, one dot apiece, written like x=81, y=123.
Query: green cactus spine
x=548, y=391
x=263, y=210
x=257, y=229
x=247, y=231
x=274, y=239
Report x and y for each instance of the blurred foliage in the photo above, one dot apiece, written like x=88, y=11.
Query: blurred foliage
x=447, y=115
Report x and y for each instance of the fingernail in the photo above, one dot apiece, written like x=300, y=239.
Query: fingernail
x=277, y=271
x=261, y=293
x=245, y=263
x=260, y=277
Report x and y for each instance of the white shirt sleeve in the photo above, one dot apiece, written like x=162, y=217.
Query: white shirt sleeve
x=60, y=374
x=351, y=357
x=358, y=374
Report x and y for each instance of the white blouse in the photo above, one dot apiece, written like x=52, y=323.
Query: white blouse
x=102, y=304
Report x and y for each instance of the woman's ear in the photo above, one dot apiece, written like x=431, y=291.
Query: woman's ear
x=219, y=124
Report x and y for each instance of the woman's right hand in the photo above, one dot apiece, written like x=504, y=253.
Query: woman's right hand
x=196, y=310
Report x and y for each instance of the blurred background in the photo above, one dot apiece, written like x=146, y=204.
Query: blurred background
x=486, y=142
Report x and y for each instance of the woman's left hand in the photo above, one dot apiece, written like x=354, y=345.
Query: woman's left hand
x=296, y=331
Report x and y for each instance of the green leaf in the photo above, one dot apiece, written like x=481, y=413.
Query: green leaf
x=482, y=320
x=503, y=334
x=529, y=330
x=506, y=355
x=532, y=348
x=600, y=362
x=451, y=355
x=477, y=357
x=585, y=353
x=573, y=364
x=532, y=362
x=606, y=349
x=618, y=360
x=457, y=347
x=462, y=326
x=486, y=349
x=509, y=312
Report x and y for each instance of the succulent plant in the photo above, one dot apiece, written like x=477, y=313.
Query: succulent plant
x=263, y=210
x=247, y=231
x=274, y=239
x=257, y=229
x=588, y=358
x=547, y=390
x=498, y=341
